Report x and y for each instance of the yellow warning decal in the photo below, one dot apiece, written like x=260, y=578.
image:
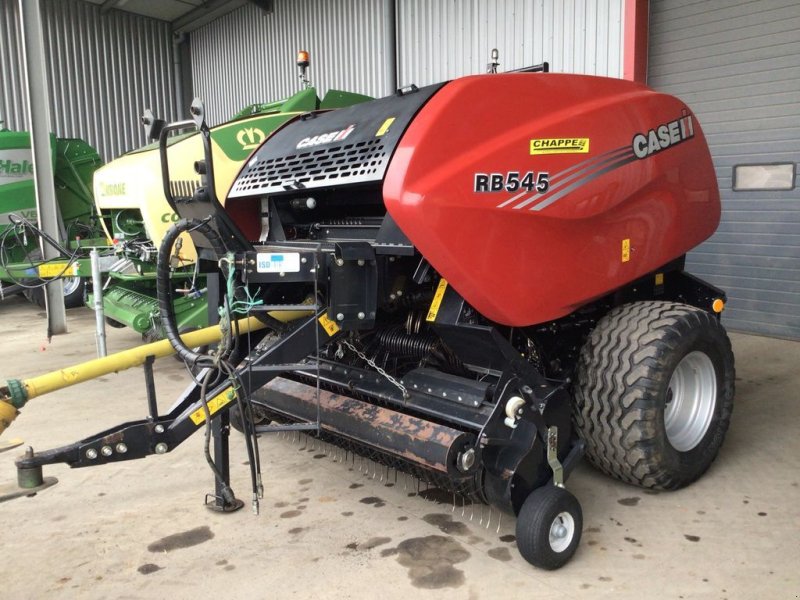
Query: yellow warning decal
x=437, y=300
x=330, y=326
x=216, y=403
x=560, y=146
x=385, y=127
x=659, y=279
x=56, y=269
x=626, y=250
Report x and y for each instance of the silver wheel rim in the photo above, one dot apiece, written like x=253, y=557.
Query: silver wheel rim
x=71, y=284
x=691, y=398
x=562, y=530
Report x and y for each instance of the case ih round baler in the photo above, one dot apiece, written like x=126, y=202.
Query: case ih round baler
x=490, y=278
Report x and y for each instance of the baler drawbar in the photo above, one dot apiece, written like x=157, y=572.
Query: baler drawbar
x=490, y=274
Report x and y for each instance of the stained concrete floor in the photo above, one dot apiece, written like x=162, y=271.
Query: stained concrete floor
x=328, y=530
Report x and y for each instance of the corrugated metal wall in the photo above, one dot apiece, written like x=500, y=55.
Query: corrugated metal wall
x=442, y=39
x=12, y=92
x=735, y=63
x=104, y=70
x=248, y=56
x=436, y=40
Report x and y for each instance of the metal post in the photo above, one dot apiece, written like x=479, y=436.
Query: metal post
x=99, y=314
x=38, y=100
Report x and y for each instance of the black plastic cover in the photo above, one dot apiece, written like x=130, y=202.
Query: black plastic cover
x=345, y=146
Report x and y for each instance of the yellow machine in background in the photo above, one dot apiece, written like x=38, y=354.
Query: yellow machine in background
x=130, y=199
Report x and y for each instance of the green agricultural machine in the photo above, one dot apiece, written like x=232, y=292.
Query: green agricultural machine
x=22, y=269
x=131, y=200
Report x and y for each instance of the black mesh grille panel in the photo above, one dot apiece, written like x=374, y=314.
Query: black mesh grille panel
x=312, y=168
x=321, y=150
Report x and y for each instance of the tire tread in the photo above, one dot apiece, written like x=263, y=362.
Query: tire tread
x=619, y=370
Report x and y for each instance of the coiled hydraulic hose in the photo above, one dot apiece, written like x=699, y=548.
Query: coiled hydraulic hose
x=164, y=288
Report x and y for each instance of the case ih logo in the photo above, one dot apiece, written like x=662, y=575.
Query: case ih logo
x=663, y=136
x=326, y=138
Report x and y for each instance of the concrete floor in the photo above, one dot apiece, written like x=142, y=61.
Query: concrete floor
x=326, y=530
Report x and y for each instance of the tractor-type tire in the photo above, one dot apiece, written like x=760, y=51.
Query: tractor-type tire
x=549, y=527
x=73, y=293
x=654, y=393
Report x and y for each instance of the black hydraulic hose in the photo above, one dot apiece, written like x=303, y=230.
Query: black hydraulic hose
x=164, y=288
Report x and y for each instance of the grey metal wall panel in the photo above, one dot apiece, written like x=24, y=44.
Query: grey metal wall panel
x=735, y=63
x=443, y=39
x=248, y=56
x=104, y=70
x=12, y=94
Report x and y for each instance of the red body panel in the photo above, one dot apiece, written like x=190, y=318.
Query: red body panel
x=522, y=257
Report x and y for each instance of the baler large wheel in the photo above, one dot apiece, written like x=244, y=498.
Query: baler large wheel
x=549, y=527
x=654, y=393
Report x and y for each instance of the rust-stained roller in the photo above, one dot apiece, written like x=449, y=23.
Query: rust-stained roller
x=430, y=445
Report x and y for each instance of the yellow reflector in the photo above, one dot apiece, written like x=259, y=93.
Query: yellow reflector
x=718, y=305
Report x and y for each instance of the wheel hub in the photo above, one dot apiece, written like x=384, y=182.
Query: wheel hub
x=71, y=284
x=562, y=530
x=690, y=401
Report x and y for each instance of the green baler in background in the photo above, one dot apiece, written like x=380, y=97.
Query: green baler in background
x=21, y=266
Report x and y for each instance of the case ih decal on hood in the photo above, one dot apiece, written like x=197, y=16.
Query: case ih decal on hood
x=563, y=182
x=326, y=138
x=663, y=136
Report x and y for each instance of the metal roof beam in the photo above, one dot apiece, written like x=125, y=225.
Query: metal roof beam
x=203, y=15
x=108, y=5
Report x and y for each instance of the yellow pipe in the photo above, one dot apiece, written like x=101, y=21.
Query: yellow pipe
x=120, y=361
x=7, y=414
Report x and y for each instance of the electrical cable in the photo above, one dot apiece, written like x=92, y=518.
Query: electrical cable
x=216, y=363
x=164, y=289
x=21, y=242
x=227, y=493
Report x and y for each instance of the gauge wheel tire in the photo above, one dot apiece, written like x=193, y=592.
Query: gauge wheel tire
x=73, y=293
x=654, y=393
x=549, y=527
x=260, y=417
